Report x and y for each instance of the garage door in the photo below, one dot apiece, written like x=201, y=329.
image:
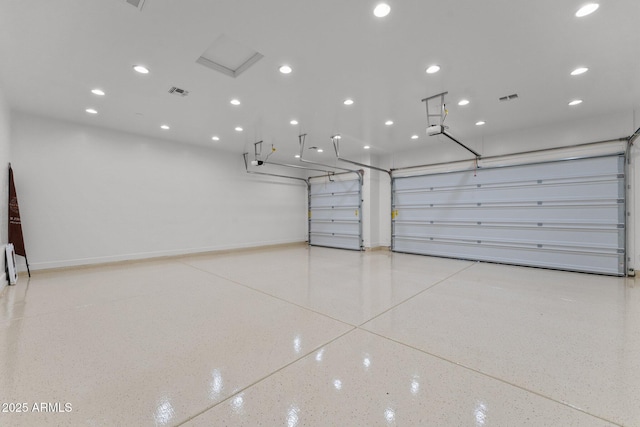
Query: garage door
x=567, y=214
x=335, y=213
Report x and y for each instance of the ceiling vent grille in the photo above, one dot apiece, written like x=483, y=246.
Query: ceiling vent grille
x=177, y=91
x=509, y=97
x=138, y=4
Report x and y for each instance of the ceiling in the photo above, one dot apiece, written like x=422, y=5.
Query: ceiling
x=54, y=52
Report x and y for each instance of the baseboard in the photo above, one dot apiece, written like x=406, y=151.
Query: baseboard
x=378, y=248
x=3, y=281
x=125, y=258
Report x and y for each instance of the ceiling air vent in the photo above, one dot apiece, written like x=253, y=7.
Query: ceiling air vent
x=177, y=91
x=136, y=3
x=509, y=97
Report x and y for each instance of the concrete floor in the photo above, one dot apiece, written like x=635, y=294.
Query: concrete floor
x=294, y=336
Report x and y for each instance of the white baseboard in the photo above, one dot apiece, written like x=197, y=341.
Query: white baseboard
x=46, y=265
x=3, y=281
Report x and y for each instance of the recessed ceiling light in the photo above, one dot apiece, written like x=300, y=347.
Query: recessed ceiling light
x=587, y=9
x=463, y=102
x=165, y=127
x=388, y=122
x=433, y=69
x=98, y=92
x=91, y=111
x=382, y=10
x=575, y=102
x=215, y=138
x=366, y=147
x=239, y=129
x=285, y=69
x=235, y=102
x=348, y=101
x=480, y=123
x=294, y=122
x=320, y=150
x=578, y=71
x=141, y=69
x=297, y=156
x=414, y=137
x=337, y=137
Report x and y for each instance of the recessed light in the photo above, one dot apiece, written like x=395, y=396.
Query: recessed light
x=382, y=10
x=98, y=92
x=297, y=156
x=348, y=101
x=587, y=9
x=320, y=150
x=366, y=147
x=337, y=137
x=433, y=69
x=285, y=69
x=480, y=123
x=388, y=122
x=414, y=137
x=91, y=111
x=235, y=102
x=239, y=129
x=215, y=138
x=578, y=71
x=575, y=102
x=165, y=127
x=294, y=122
x=141, y=69
x=463, y=102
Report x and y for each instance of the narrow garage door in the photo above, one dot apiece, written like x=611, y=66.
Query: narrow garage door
x=335, y=213
x=567, y=214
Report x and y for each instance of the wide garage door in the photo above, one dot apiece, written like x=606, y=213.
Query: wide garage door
x=567, y=214
x=335, y=213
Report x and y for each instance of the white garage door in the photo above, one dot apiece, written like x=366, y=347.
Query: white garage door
x=567, y=214
x=335, y=213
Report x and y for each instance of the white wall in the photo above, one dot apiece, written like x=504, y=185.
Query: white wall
x=5, y=157
x=91, y=195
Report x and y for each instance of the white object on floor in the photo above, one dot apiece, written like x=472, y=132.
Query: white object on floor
x=11, y=264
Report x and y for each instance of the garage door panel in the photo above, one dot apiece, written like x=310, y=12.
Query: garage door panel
x=608, y=237
x=563, y=214
x=342, y=200
x=531, y=212
x=515, y=193
x=571, y=260
x=335, y=187
x=335, y=226
x=597, y=167
x=337, y=241
x=338, y=214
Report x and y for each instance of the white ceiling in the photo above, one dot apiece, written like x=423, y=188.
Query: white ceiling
x=54, y=52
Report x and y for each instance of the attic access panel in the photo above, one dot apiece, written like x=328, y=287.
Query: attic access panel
x=229, y=57
x=566, y=215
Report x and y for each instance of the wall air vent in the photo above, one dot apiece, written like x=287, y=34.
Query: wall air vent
x=177, y=91
x=136, y=3
x=508, y=97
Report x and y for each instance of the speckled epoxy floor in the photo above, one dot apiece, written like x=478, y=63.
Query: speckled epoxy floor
x=299, y=336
